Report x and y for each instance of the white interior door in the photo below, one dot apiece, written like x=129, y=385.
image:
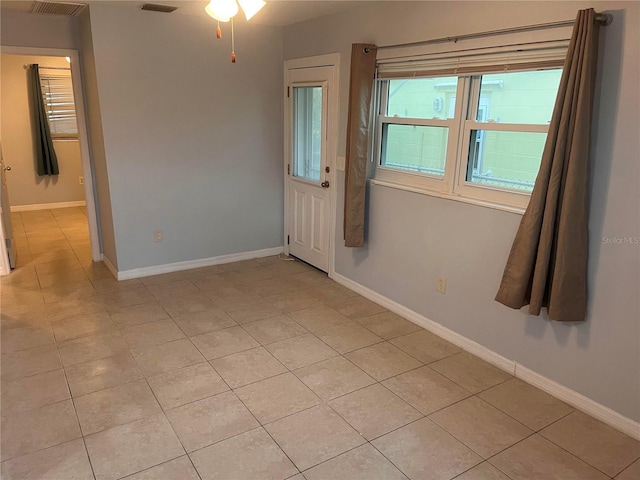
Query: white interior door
x=7, y=229
x=308, y=165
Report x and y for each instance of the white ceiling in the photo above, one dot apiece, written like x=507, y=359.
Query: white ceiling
x=277, y=13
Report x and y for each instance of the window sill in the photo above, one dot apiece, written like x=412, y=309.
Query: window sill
x=472, y=201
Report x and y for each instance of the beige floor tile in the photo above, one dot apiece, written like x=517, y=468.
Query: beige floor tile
x=630, y=473
x=277, y=397
x=213, y=282
x=358, y=307
x=241, y=265
x=163, y=278
x=179, y=468
x=93, y=347
x=224, y=342
x=202, y=271
x=248, y=308
x=293, y=301
x=248, y=456
x=154, y=333
x=301, y=351
x=103, y=373
x=203, y=322
x=333, y=378
x=197, y=302
x=285, y=267
x=313, y=436
x=249, y=275
x=319, y=318
x=536, y=457
x=484, y=471
x=600, y=445
x=426, y=390
x=166, y=357
x=274, y=329
x=66, y=461
x=331, y=294
x=126, y=298
x=110, y=284
x=186, y=385
x=470, y=372
x=29, y=362
x=383, y=360
x=35, y=391
x=223, y=292
x=82, y=326
x=138, y=314
x=27, y=432
x=309, y=279
x=387, y=325
x=74, y=307
x=374, y=411
x=362, y=463
x=115, y=406
x=425, y=346
x=481, y=427
x=423, y=450
x=23, y=338
x=210, y=420
x=526, y=403
x=347, y=337
x=247, y=367
x=174, y=289
x=270, y=286
x=137, y=445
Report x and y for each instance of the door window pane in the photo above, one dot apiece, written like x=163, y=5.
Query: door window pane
x=307, y=132
x=415, y=148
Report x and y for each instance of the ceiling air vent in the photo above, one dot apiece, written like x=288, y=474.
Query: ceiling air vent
x=57, y=8
x=154, y=7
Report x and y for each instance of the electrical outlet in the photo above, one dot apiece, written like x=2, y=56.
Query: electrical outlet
x=157, y=235
x=81, y=180
x=441, y=286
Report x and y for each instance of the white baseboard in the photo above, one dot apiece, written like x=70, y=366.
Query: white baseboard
x=190, y=264
x=605, y=414
x=47, y=206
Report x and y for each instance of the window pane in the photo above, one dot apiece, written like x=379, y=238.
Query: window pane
x=57, y=93
x=422, y=98
x=518, y=97
x=307, y=132
x=505, y=159
x=415, y=148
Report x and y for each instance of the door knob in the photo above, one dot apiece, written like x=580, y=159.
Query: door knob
x=324, y=184
x=7, y=168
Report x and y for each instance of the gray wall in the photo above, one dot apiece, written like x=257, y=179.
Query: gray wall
x=21, y=29
x=23, y=183
x=193, y=144
x=413, y=238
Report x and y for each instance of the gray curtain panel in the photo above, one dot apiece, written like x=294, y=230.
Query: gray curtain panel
x=547, y=266
x=363, y=68
x=46, y=160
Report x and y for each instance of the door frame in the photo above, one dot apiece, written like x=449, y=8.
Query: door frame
x=83, y=137
x=331, y=60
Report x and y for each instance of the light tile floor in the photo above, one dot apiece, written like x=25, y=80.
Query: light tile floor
x=257, y=369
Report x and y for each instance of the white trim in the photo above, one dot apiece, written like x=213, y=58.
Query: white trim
x=83, y=136
x=605, y=414
x=47, y=206
x=189, y=264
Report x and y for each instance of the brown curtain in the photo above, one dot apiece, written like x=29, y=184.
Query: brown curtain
x=363, y=68
x=547, y=266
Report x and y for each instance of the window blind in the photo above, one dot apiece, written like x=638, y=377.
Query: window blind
x=57, y=92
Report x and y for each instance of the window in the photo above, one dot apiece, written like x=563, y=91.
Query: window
x=476, y=135
x=57, y=93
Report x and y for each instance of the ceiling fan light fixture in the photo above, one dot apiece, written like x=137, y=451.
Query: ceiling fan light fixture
x=222, y=10
x=251, y=7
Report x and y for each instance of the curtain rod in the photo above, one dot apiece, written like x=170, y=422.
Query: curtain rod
x=49, y=68
x=603, y=18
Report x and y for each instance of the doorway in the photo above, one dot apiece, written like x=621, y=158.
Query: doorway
x=311, y=117
x=70, y=192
